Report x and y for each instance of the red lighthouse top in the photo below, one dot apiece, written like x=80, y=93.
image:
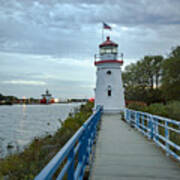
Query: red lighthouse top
x=108, y=53
x=108, y=42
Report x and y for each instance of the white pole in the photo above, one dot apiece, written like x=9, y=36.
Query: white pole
x=102, y=33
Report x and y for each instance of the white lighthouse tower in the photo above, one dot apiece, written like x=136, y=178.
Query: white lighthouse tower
x=109, y=91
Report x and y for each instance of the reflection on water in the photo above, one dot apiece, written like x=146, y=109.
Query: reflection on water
x=19, y=124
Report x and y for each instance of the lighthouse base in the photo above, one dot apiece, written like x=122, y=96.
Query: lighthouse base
x=111, y=111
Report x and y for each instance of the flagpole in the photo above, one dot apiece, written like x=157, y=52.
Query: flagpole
x=102, y=33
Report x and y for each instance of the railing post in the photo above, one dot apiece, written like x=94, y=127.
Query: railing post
x=86, y=144
x=92, y=135
x=137, y=120
x=156, y=129
x=142, y=118
x=71, y=167
x=80, y=153
x=96, y=126
x=150, y=127
x=167, y=137
x=132, y=121
x=127, y=115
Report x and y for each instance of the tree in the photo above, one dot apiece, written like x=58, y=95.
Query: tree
x=153, y=69
x=157, y=68
x=171, y=75
x=142, y=79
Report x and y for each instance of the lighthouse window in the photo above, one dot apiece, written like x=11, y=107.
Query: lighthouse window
x=109, y=92
x=102, y=51
x=108, y=72
x=108, y=50
x=114, y=50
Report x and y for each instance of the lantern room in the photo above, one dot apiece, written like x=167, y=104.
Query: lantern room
x=108, y=47
x=108, y=51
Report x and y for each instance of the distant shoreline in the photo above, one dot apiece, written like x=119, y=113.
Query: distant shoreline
x=10, y=104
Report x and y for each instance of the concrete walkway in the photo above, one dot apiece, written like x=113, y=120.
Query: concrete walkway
x=123, y=153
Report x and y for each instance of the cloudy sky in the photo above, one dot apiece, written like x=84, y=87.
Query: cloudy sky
x=51, y=43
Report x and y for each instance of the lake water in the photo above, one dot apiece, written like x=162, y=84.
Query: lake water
x=19, y=124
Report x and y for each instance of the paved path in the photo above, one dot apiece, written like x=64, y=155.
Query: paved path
x=123, y=153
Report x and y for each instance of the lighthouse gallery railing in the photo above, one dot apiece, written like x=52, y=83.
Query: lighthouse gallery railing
x=74, y=156
x=165, y=132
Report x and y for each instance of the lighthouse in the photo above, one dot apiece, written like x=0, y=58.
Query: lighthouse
x=109, y=91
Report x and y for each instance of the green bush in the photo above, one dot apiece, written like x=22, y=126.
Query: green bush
x=174, y=110
x=170, y=110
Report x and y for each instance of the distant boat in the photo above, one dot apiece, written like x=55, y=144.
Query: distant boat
x=47, y=98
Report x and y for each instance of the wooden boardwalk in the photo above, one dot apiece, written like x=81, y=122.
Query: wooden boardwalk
x=123, y=153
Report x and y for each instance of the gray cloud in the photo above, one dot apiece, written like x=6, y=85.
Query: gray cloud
x=65, y=27
x=52, y=41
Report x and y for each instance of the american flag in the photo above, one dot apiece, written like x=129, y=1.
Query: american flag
x=106, y=26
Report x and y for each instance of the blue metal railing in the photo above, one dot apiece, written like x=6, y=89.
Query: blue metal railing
x=74, y=156
x=165, y=132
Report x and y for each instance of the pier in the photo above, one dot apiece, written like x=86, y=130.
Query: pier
x=111, y=147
